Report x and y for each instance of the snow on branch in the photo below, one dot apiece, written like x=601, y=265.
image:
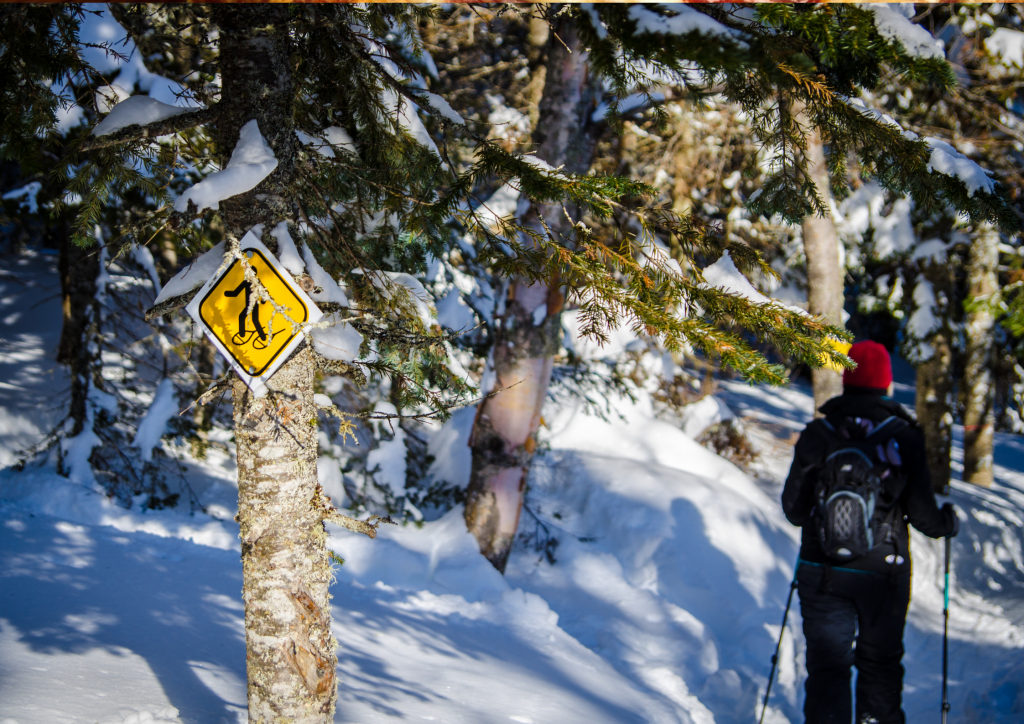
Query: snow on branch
x=180, y=288
x=1006, y=46
x=628, y=104
x=686, y=20
x=595, y=20
x=251, y=162
x=440, y=106
x=893, y=23
x=140, y=117
x=944, y=159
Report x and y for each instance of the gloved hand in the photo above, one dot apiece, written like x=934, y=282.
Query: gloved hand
x=954, y=519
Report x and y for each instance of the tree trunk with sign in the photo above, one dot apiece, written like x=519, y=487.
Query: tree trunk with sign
x=290, y=652
x=528, y=334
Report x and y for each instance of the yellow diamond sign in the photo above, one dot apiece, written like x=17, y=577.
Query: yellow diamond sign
x=255, y=335
x=843, y=347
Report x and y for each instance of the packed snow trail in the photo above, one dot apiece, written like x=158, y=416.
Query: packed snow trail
x=663, y=604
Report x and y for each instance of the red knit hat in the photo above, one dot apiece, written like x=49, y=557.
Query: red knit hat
x=874, y=369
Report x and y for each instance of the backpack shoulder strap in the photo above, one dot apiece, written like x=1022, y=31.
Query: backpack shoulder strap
x=887, y=428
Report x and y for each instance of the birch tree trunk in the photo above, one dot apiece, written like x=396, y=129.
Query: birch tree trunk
x=528, y=334
x=824, y=275
x=290, y=652
x=977, y=385
x=935, y=378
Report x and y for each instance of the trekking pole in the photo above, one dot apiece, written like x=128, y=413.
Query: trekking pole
x=775, y=656
x=945, y=637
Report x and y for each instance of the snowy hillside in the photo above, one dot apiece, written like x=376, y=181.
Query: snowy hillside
x=662, y=605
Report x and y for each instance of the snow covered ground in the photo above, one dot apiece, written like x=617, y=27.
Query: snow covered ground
x=662, y=605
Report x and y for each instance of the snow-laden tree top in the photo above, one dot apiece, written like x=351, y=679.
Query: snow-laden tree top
x=379, y=172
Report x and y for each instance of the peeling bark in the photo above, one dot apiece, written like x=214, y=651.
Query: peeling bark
x=977, y=386
x=528, y=334
x=824, y=275
x=290, y=652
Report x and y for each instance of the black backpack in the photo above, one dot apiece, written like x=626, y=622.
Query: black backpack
x=862, y=469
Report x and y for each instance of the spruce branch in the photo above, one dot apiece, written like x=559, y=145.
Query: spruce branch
x=136, y=132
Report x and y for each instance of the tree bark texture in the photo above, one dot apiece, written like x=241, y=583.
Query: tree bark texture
x=290, y=652
x=527, y=335
x=977, y=388
x=78, y=269
x=935, y=380
x=824, y=275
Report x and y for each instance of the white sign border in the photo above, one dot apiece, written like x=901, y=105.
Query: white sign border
x=258, y=383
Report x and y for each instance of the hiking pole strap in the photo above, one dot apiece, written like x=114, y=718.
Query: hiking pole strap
x=778, y=645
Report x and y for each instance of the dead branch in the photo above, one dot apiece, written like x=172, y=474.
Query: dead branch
x=136, y=132
x=218, y=388
x=173, y=304
x=366, y=527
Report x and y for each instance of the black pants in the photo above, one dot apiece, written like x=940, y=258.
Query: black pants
x=853, y=618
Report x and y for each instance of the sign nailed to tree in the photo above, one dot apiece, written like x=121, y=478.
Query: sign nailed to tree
x=255, y=335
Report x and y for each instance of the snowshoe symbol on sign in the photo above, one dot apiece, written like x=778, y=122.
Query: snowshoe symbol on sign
x=256, y=340
x=257, y=335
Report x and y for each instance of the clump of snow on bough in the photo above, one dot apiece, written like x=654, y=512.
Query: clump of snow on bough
x=892, y=20
x=140, y=110
x=337, y=340
x=194, y=275
x=251, y=162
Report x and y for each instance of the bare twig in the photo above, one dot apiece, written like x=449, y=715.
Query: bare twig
x=218, y=388
x=366, y=527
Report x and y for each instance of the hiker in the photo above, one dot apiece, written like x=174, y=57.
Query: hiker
x=853, y=577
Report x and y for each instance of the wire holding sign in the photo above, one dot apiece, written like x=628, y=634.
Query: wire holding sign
x=254, y=333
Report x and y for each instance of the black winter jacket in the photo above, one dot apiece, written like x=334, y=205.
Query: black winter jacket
x=916, y=501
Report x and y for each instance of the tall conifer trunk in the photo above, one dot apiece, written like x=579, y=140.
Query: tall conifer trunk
x=935, y=378
x=824, y=275
x=78, y=269
x=528, y=334
x=977, y=387
x=286, y=571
